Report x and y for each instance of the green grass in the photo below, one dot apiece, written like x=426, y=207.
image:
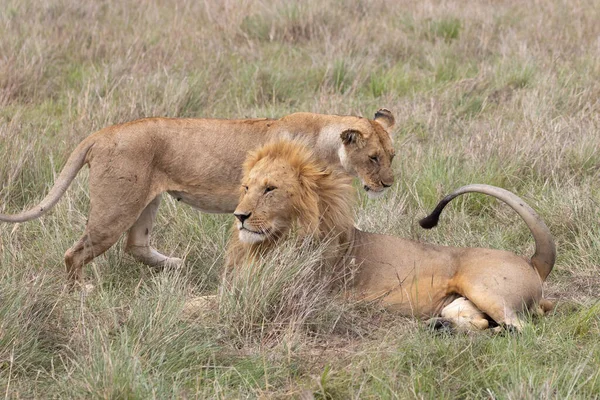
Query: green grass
x=499, y=93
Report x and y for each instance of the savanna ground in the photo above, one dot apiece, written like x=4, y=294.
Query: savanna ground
x=505, y=93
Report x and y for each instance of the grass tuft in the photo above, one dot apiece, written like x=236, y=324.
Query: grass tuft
x=285, y=295
x=446, y=28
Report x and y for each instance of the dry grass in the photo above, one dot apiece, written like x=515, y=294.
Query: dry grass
x=504, y=93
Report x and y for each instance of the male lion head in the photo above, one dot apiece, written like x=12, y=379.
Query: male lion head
x=284, y=186
x=367, y=152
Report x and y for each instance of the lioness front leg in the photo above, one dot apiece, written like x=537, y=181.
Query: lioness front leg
x=138, y=239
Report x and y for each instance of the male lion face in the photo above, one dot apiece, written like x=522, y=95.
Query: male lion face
x=266, y=208
x=367, y=152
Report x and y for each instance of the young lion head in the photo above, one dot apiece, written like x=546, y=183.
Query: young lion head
x=285, y=186
x=367, y=152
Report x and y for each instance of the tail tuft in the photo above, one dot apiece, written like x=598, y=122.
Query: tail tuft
x=430, y=221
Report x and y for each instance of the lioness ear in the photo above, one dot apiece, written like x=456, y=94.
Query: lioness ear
x=385, y=118
x=351, y=136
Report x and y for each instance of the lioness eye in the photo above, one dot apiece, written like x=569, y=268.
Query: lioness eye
x=269, y=189
x=374, y=159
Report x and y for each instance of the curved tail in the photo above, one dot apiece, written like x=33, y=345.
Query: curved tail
x=76, y=161
x=545, y=251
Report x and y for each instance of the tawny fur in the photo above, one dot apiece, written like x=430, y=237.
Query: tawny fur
x=465, y=285
x=199, y=162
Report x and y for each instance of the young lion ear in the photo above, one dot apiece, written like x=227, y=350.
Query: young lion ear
x=385, y=118
x=351, y=136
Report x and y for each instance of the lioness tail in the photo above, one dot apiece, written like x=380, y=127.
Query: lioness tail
x=74, y=163
x=545, y=251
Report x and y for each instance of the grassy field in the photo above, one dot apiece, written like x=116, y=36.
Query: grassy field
x=505, y=93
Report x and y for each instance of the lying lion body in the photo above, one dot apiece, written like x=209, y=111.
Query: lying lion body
x=199, y=162
x=465, y=285
x=422, y=279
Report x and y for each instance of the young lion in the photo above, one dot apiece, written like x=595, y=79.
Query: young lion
x=285, y=185
x=198, y=161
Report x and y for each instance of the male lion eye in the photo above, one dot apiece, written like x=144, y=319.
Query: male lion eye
x=269, y=189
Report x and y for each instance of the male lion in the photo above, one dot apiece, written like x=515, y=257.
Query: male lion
x=199, y=162
x=285, y=186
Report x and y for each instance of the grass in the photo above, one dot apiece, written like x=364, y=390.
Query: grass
x=496, y=92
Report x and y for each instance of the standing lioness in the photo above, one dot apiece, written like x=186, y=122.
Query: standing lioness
x=198, y=161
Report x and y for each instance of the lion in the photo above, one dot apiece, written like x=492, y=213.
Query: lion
x=286, y=189
x=199, y=162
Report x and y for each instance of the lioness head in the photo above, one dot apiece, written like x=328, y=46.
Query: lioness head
x=367, y=152
x=284, y=186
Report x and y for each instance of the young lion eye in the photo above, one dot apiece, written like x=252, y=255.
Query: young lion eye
x=269, y=189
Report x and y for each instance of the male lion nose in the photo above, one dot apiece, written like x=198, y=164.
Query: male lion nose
x=242, y=216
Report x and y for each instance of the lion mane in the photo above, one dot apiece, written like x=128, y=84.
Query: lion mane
x=323, y=201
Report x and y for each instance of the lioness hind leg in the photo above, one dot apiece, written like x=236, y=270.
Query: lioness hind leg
x=85, y=250
x=138, y=239
x=104, y=227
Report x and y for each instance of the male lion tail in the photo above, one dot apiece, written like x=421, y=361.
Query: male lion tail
x=76, y=161
x=545, y=251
